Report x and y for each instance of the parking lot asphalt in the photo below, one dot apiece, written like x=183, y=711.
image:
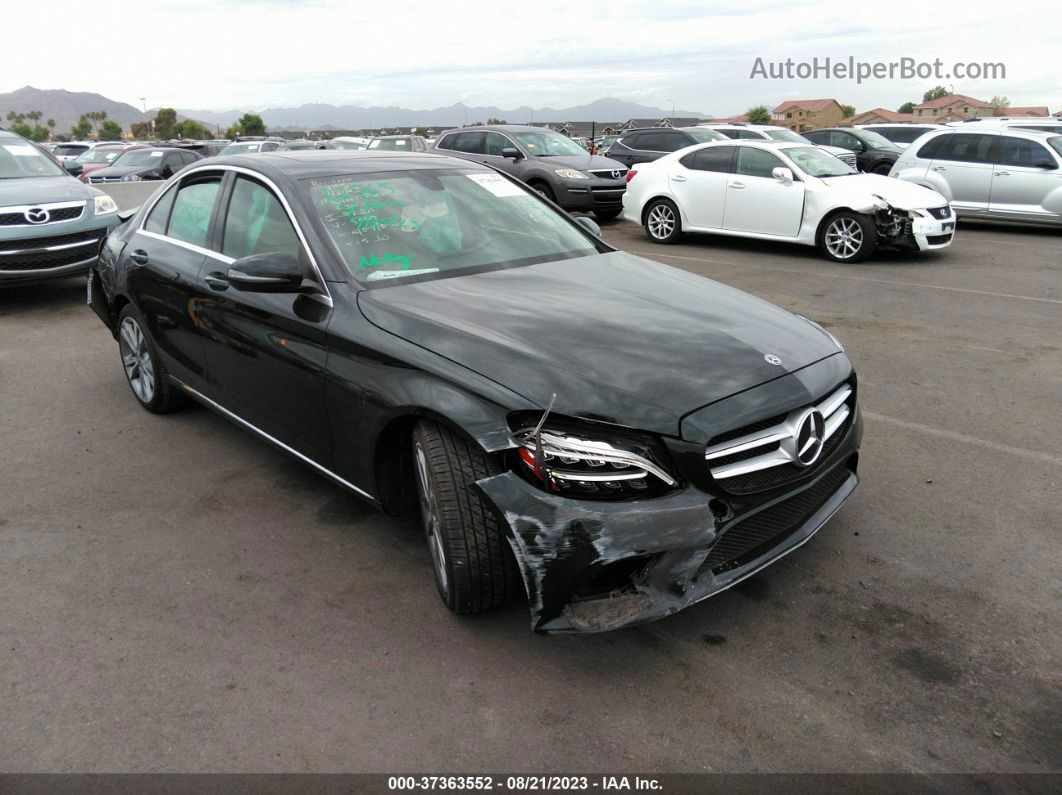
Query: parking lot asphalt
x=178, y=596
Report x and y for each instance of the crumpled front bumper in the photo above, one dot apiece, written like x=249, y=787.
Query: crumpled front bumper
x=597, y=566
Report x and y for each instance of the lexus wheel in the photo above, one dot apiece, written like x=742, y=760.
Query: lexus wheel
x=474, y=566
x=144, y=371
x=848, y=237
x=662, y=223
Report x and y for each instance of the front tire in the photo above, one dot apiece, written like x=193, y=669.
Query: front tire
x=848, y=237
x=144, y=371
x=543, y=190
x=882, y=168
x=662, y=222
x=474, y=566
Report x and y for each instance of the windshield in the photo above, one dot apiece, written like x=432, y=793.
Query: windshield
x=405, y=224
x=66, y=150
x=786, y=135
x=816, y=163
x=390, y=144
x=140, y=157
x=99, y=155
x=549, y=144
x=871, y=138
x=347, y=144
x=242, y=148
x=18, y=159
x=703, y=135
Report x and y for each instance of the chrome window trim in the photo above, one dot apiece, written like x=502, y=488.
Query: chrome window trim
x=218, y=255
x=240, y=420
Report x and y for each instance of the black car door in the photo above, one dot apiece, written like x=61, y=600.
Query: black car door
x=265, y=351
x=164, y=261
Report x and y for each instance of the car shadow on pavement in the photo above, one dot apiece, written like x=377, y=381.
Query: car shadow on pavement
x=60, y=293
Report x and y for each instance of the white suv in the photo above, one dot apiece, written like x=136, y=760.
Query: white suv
x=1043, y=123
x=769, y=132
x=990, y=171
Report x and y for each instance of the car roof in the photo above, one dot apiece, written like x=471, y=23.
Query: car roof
x=317, y=163
x=993, y=129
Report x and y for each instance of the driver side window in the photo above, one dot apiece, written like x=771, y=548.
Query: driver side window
x=256, y=223
x=756, y=162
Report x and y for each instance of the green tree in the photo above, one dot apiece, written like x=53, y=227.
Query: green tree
x=15, y=118
x=421, y=131
x=110, y=130
x=23, y=129
x=999, y=104
x=758, y=115
x=233, y=130
x=190, y=128
x=165, y=121
x=81, y=129
x=907, y=107
x=935, y=93
x=140, y=129
x=848, y=110
x=251, y=124
x=51, y=124
x=493, y=120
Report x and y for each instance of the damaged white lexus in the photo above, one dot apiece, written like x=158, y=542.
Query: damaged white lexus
x=784, y=191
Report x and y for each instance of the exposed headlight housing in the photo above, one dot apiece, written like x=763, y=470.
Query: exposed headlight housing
x=102, y=205
x=575, y=464
x=571, y=173
x=131, y=178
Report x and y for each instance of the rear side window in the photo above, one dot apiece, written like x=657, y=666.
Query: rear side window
x=160, y=213
x=446, y=142
x=969, y=148
x=256, y=223
x=192, y=207
x=756, y=162
x=1023, y=152
x=714, y=158
x=469, y=142
x=673, y=141
x=652, y=142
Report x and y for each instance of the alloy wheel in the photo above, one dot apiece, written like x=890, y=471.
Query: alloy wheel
x=844, y=238
x=661, y=221
x=432, y=526
x=136, y=359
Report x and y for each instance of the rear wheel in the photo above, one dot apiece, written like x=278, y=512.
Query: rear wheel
x=662, y=223
x=848, y=237
x=144, y=371
x=474, y=566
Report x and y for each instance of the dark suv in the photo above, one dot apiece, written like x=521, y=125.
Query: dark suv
x=649, y=143
x=874, y=153
x=552, y=164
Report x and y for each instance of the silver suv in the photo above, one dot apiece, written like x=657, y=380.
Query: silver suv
x=986, y=171
x=769, y=132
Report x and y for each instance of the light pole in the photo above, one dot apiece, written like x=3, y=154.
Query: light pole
x=143, y=103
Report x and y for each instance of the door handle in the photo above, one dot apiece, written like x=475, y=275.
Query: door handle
x=216, y=281
x=1002, y=174
x=736, y=185
x=139, y=256
x=938, y=168
x=678, y=178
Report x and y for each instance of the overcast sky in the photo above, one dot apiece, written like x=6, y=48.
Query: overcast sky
x=254, y=54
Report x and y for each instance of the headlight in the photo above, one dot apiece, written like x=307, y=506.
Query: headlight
x=571, y=173
x=131, y=178
x=104, y=205
x=820, y=327
x=576, y=465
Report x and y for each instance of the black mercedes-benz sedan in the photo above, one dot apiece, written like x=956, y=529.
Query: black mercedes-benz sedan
x=621, y=437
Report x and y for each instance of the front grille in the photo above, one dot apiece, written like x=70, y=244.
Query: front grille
x=33, y=254
x=940, y=213
x=938, y=240
x=848, y=160
x=104, y=179
x=604, y=196
x=607, y=173
x=766, y=454
x=750, y=538
x=58, y=214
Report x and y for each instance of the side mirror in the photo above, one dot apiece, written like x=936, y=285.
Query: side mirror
x=276, y=272
x=588, y=224
x=782, y=173
x=73, y=167
x=1046, y=164
x=511, y=151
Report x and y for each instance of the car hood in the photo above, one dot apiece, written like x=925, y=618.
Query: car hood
x=834, y=150
x=618, y=338
x=900, y=194
x=582, y=162
x=42, y=190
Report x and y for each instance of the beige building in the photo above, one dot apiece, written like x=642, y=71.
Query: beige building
x=954, y=107
x=808, y=114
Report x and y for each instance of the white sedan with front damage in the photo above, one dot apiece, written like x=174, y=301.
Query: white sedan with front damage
x=783, y=191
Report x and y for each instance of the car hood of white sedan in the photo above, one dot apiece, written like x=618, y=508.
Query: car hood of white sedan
x=900, y=194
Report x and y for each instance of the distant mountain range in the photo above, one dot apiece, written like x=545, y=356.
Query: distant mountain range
x=66, y=107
